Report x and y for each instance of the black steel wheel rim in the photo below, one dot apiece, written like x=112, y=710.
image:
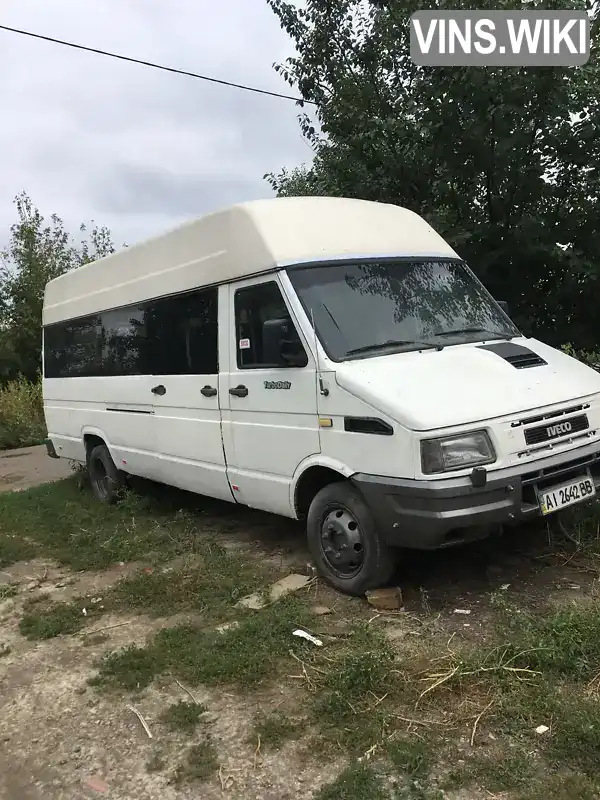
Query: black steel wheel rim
x=342, y=543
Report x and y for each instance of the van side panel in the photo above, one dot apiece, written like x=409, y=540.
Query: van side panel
x=119, y=410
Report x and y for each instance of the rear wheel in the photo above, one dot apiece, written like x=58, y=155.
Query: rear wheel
x=106, y=480
x=344, y=543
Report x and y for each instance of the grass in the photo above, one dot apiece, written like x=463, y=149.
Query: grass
x=241, y=656
x=8, y=590
x=357, y=694
x=213, y=580
x=183, y=716
x=359, y=782
x=62, y=522
x=200, y=765
x=44, y=619
x=274, y=730
x=565, y=786
x=348, y=706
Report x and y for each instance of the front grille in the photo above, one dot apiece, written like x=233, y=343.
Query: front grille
x=556, y=429
x=563, y=412
x=526, y=360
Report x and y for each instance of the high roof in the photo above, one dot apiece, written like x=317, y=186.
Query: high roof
x=238, y=242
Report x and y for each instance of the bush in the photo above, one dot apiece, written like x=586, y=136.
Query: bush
x=591, y=359
x=21, y=414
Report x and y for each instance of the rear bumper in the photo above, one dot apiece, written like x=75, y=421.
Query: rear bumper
x=50, y=448
x=428, y=515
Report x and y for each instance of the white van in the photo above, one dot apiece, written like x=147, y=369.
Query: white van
x=324, y=359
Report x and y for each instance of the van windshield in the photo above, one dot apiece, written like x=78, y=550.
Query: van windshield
x=365, y=308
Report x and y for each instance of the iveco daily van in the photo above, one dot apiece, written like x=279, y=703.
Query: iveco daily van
x=325, y=359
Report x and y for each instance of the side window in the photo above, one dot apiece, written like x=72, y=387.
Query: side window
x=73, y=349
x=265, y=333
x=184, y=333
x=124, y=342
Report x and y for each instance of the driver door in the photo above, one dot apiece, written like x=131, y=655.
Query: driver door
x=269, y=408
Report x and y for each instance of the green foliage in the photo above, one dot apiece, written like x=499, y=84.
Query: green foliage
x=505, y=163
x=242, y=655
x=183, y=716
x=274, y=730
x=38, y=251
x=52, y=621
x=60, y=521
x=201, y=763
x=21, y=414
x=359, y=782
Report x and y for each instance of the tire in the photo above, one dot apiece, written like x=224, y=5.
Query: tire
x=341, y=506
x=106, y=480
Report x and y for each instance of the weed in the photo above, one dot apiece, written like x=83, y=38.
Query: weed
x=561, y=786
x=275, y=729
x=5, y=650
x=412, y=757
x=133, y=668
x=21, y=414
x=201, y=763
x=359, y=782
x=59, y=521
x=243, y=655
x=349, y=706
x=214, y=579
x=496, y=772
x=575, y=740
x=183, y=716
x=566, y=643
x=54, y=620
x=8, y=590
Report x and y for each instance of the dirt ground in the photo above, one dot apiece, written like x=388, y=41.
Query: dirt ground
x=61, y=740
x=30, y=466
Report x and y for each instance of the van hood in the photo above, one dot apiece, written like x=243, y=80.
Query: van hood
x=467, y=383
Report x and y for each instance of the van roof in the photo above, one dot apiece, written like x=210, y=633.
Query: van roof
x=240, y=241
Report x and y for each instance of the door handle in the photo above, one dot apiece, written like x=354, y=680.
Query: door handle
x=160, y=389
x=208, y=391
x=239, y=391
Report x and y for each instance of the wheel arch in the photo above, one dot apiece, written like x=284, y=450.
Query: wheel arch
x=312, y=476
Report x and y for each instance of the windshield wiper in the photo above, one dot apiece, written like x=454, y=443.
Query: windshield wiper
x=498, y=334
x=390, y=343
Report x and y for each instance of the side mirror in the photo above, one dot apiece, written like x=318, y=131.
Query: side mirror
x=281, y=345
x=504, y=306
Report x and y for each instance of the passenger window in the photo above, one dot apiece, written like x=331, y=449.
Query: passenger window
x=123, y=342
x=184, y=334
x=73, y=349
x=265, y=333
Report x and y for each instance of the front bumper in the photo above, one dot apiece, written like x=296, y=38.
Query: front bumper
x=428, y=515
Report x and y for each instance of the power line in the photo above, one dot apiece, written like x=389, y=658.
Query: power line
x=162, y=67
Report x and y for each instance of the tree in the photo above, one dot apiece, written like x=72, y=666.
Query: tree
x=38, y=251
x=505, y=163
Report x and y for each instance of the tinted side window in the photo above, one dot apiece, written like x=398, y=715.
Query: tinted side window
x=124, y=342
x=265, y=333
x=74, y=348
x=184, y=334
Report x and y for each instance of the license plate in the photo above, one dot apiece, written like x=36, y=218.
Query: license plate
x=566, y=494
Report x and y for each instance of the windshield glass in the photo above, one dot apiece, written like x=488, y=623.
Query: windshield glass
x=362, y=308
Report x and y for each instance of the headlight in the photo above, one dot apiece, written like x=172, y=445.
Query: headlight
x=456, y=452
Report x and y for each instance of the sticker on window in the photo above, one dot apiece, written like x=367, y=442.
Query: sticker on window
x=244, y=344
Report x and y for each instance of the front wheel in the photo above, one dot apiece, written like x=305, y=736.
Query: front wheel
x=106, y=480
x=344, y=543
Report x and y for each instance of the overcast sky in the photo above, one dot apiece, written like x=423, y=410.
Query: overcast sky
x=139, y=150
